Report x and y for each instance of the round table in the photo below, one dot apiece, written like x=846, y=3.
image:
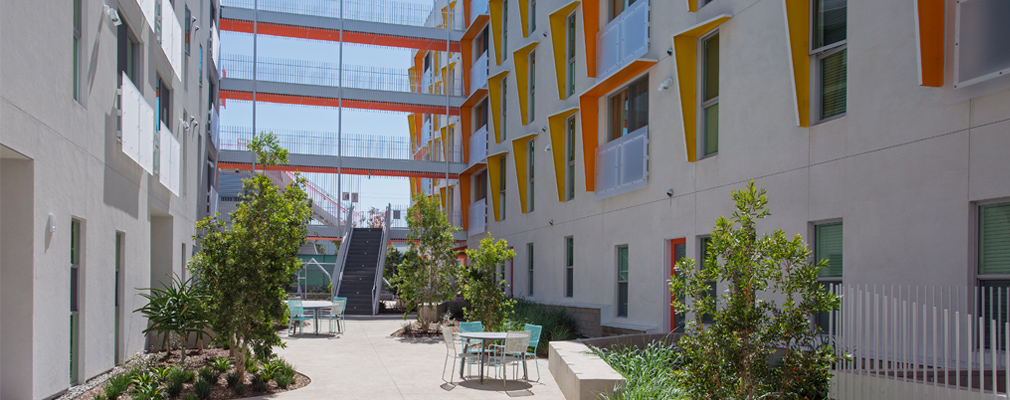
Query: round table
x=316, y=306
x=484, y=337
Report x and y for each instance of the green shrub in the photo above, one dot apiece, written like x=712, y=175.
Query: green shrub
x=117, y=385
x=284, y=379
x=100, y=396
x=239, y=389
x=556, y=322
x=231, y=379
x=188, y=376
x=648, y=371
x=146, y=386
x=202, y=389
x=221, y=364
x=189, y=396
x=257, y=384
x=174, y=381
x=209, y=374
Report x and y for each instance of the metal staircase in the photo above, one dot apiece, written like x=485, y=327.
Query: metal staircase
x=359, y=272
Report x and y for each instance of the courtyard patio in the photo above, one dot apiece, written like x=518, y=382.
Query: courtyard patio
x=365, y=362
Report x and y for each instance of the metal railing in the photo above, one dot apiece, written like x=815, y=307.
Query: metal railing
x=399, y=216
x=328, y=74
x=323, y=143
x=478, y=146
x=623, y=164
x=478, y=7
x=478, y=73
x=381, y=264
x=384, y=11
x=322, y=199
x=477, y=217
x=345, y=246
x=624, y=39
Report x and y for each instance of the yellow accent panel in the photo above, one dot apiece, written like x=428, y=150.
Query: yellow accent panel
x=521, y=60
x=442, y=194
x=685, y=47
x=494, y=7
x=591, y=27
x=413, y=129
x=692, y=5
x=559, y=37
x=798, y=39
x=519, y=155
x=556, y=124
x=494, y=92
x=524, y=16
x=589, y=104
x=445, y=141
x=494, y=176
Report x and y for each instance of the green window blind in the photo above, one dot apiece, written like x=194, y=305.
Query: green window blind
x=828, y=246
x=711, y=89
x=994, y=239
x=833, y=84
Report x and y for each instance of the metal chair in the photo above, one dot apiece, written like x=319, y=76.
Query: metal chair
x=534, y=331
x=296, y=314
x=336, y=315
x=513, y=351
x=450, y=351
x=475, y=326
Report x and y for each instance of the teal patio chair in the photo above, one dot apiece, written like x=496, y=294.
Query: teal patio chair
x=296, y=314
x=465, y=327
x=534, y=331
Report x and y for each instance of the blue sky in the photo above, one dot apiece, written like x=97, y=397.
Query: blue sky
x=374, y=192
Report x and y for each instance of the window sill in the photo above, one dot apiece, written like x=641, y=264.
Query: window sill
x=826, y=120
x=708, y=156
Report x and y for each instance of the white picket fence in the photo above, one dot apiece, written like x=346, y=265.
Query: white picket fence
x=920, y=342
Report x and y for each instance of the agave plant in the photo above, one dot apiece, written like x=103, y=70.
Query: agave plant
x=176, y=310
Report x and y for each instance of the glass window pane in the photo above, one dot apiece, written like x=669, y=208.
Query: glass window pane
x=994, y=239
x=712, y=129
x=618, y=115
x=833, y=84
x=638, y=113
x=711, y=89
x=828, y=246
x=622, y=264
x=622, y=299
x=829, y=22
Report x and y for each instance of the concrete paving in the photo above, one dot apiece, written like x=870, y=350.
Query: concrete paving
x=364, y=362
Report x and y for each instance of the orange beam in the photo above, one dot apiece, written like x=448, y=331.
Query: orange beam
x=929, y=19
x=301, y=32
x=328, y=102
x=333, y=170
x=591, y=26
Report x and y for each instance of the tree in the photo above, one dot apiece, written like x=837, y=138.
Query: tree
x=483, y=286
x=394, y=257
x=425, y=276
x=175, y=311
x=375, y=218
x=732, y=357
x=244, y=267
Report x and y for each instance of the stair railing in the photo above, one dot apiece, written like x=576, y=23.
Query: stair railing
x=381, y=264
x=345, y=245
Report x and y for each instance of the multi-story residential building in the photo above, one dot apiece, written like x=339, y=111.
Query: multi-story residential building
x=108, y=152
x=608, y=135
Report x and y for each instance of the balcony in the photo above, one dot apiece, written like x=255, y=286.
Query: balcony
x=477, y=217
x=171, y=38
x=136, y=125
x=477, y=8
x=215, y=128
x=478, y=146
x=622, y=165
x=478, y=73
x=624, y=39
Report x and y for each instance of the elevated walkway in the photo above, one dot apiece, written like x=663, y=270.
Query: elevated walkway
x=381, y=23
x=318, y=84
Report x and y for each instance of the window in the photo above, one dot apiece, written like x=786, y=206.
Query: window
x=570, y=158
x=164, y=109
x=529, y=254
x=702, y=259
x=481, y=114
x=622, y=281
x=480, y=186
x=829, y=52
x=77, y=51
x=828, y=246
x=189, y=30
x=629, y=109
x=710, y=94
x=504, y=106
x=126, y=52
x=504, y=32
x=531, y=110
x=75, y=292
x=531, y=154
x=118, y=292
x=618, y=6
x=679, y=252
x=533, y=16
x=569, y=267
x=993, y=240
x=201, y=66
x=501, y=185
x=571, y=55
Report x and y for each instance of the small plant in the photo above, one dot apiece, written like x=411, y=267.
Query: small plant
x=284, y=379
x=648, y=372
x=100, y=396
x=189, y=396
x=408, y=327
x=258, y=384
x=239, y=389
x=174, y=380
x=147, y=387
x=209, y=374
x=222, y=364
x=188, y=376
x=202, y=389
x=117, y=385
x=231, y=379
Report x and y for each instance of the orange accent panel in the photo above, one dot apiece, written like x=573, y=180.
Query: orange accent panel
x=333, y=170
x=467, y=57
x=328, y=102
x=591, y=26
x=929, y=15
x=589, y=105
x=333, y=35
x=464, y=199
x=673, y=272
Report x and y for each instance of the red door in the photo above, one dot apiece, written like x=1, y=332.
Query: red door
x=678, y=249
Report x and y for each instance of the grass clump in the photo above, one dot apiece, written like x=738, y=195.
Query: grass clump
x=202, y=389
x=649, y=371
x=556, y=322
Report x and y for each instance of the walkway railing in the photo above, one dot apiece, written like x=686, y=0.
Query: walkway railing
x=328, y=74
x=323, y=143
x=384, y=11
x=345, y=246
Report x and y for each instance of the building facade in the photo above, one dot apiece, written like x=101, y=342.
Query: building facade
x=107, y=162
x=616, y=130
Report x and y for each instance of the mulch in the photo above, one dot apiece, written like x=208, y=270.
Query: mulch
x=195, y=359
